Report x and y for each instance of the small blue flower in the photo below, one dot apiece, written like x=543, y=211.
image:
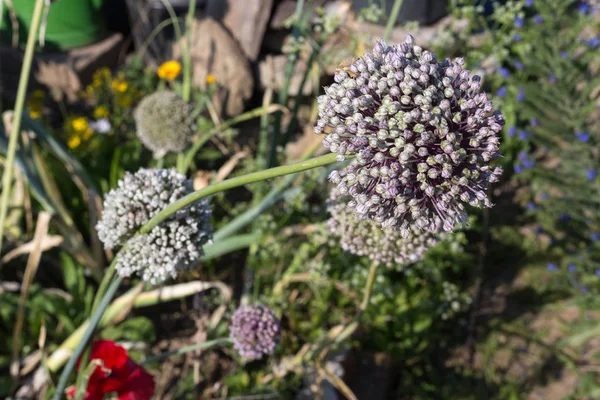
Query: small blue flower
x=537, y=19
x=504, y=72
x=521, y=94
x=564, y=55
x=501, y=92
x=528, y=163
x=544, y=196
x=584, y=8
x=595, y=236
x=517, y=37
x=534, y=122
x=531, y=206
x=519, y=65
x=518, y=168
x=528, y=3
x=539, y=230
x=552, y=79
x=584, y=290
x=552, y=267
x=564, y=218
x=594, y=42
x=512, y=131
x=598, y=272
x=582, y=136
x=524, y=135
x=572, y=268
x=519, y=21
x=591, y=174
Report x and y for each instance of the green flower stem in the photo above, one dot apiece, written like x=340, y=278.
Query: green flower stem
x=236, y=182
x=16, y=122
x=186, y=349
x=392, y=19
x=64, y=376
x=85, y=358
x=368, y=288
x=187, y=55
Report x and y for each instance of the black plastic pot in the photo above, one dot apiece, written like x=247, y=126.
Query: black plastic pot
x=425, y=12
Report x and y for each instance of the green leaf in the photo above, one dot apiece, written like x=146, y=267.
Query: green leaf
x=138, y=329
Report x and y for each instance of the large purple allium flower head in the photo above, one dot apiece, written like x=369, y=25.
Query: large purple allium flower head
x=364, y=237
x=255, y=331
x=422, y=132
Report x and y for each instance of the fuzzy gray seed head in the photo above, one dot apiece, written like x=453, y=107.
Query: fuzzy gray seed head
x=164, y=123
x=174, y=245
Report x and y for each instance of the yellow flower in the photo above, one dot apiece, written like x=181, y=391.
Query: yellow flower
x=169, y=70
x=210, y=79
x=74, y=141
x=79, y=124
x=35, y=114
x=100, y=112
x=124, y=101
x=119, y=85
x=87, y=134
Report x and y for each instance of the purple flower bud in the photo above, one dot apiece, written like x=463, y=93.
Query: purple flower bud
x=591, y=174
x=512, y=131
x=519, y=21
x=517, y=37
x=531, y=206
x=564, y=55
x=534, y=123
x=552, y=79
x=572, y=268
x=537, y=19
x=528, y=3
x=544, y=196
x=584, y=8
x=524, y=135
x=519, y=65
x=595, y=236
x=518, y=168
x=505, y=73
x=520, y=94
x=501, y=92
x=583, y=137
x=564, y=218
x=255, y=331
x=552, y=267
x=594, y=42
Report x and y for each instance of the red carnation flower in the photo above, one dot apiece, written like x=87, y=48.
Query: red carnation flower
x=118, y=374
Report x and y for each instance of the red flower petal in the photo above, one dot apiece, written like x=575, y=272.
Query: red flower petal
x=138, y=386
x=113, y=355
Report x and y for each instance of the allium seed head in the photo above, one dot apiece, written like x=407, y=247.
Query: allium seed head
x=422, y=132
x=173, y=245
x=364, y=237
x=164, y=122
x=255, y=331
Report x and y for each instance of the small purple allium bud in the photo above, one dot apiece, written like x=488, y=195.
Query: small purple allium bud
x=255, y=331
x=583, y=137
x=572, y=268
x=519, y=21
x=537, y=19
x=591, y=174
x=504, y=72
x=552, y=267
x=501, y=92
x=520, y=94
x=423, y=134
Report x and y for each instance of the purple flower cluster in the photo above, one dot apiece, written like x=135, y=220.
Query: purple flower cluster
x=255, y=331
x=524, y=162
x=422, y=132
